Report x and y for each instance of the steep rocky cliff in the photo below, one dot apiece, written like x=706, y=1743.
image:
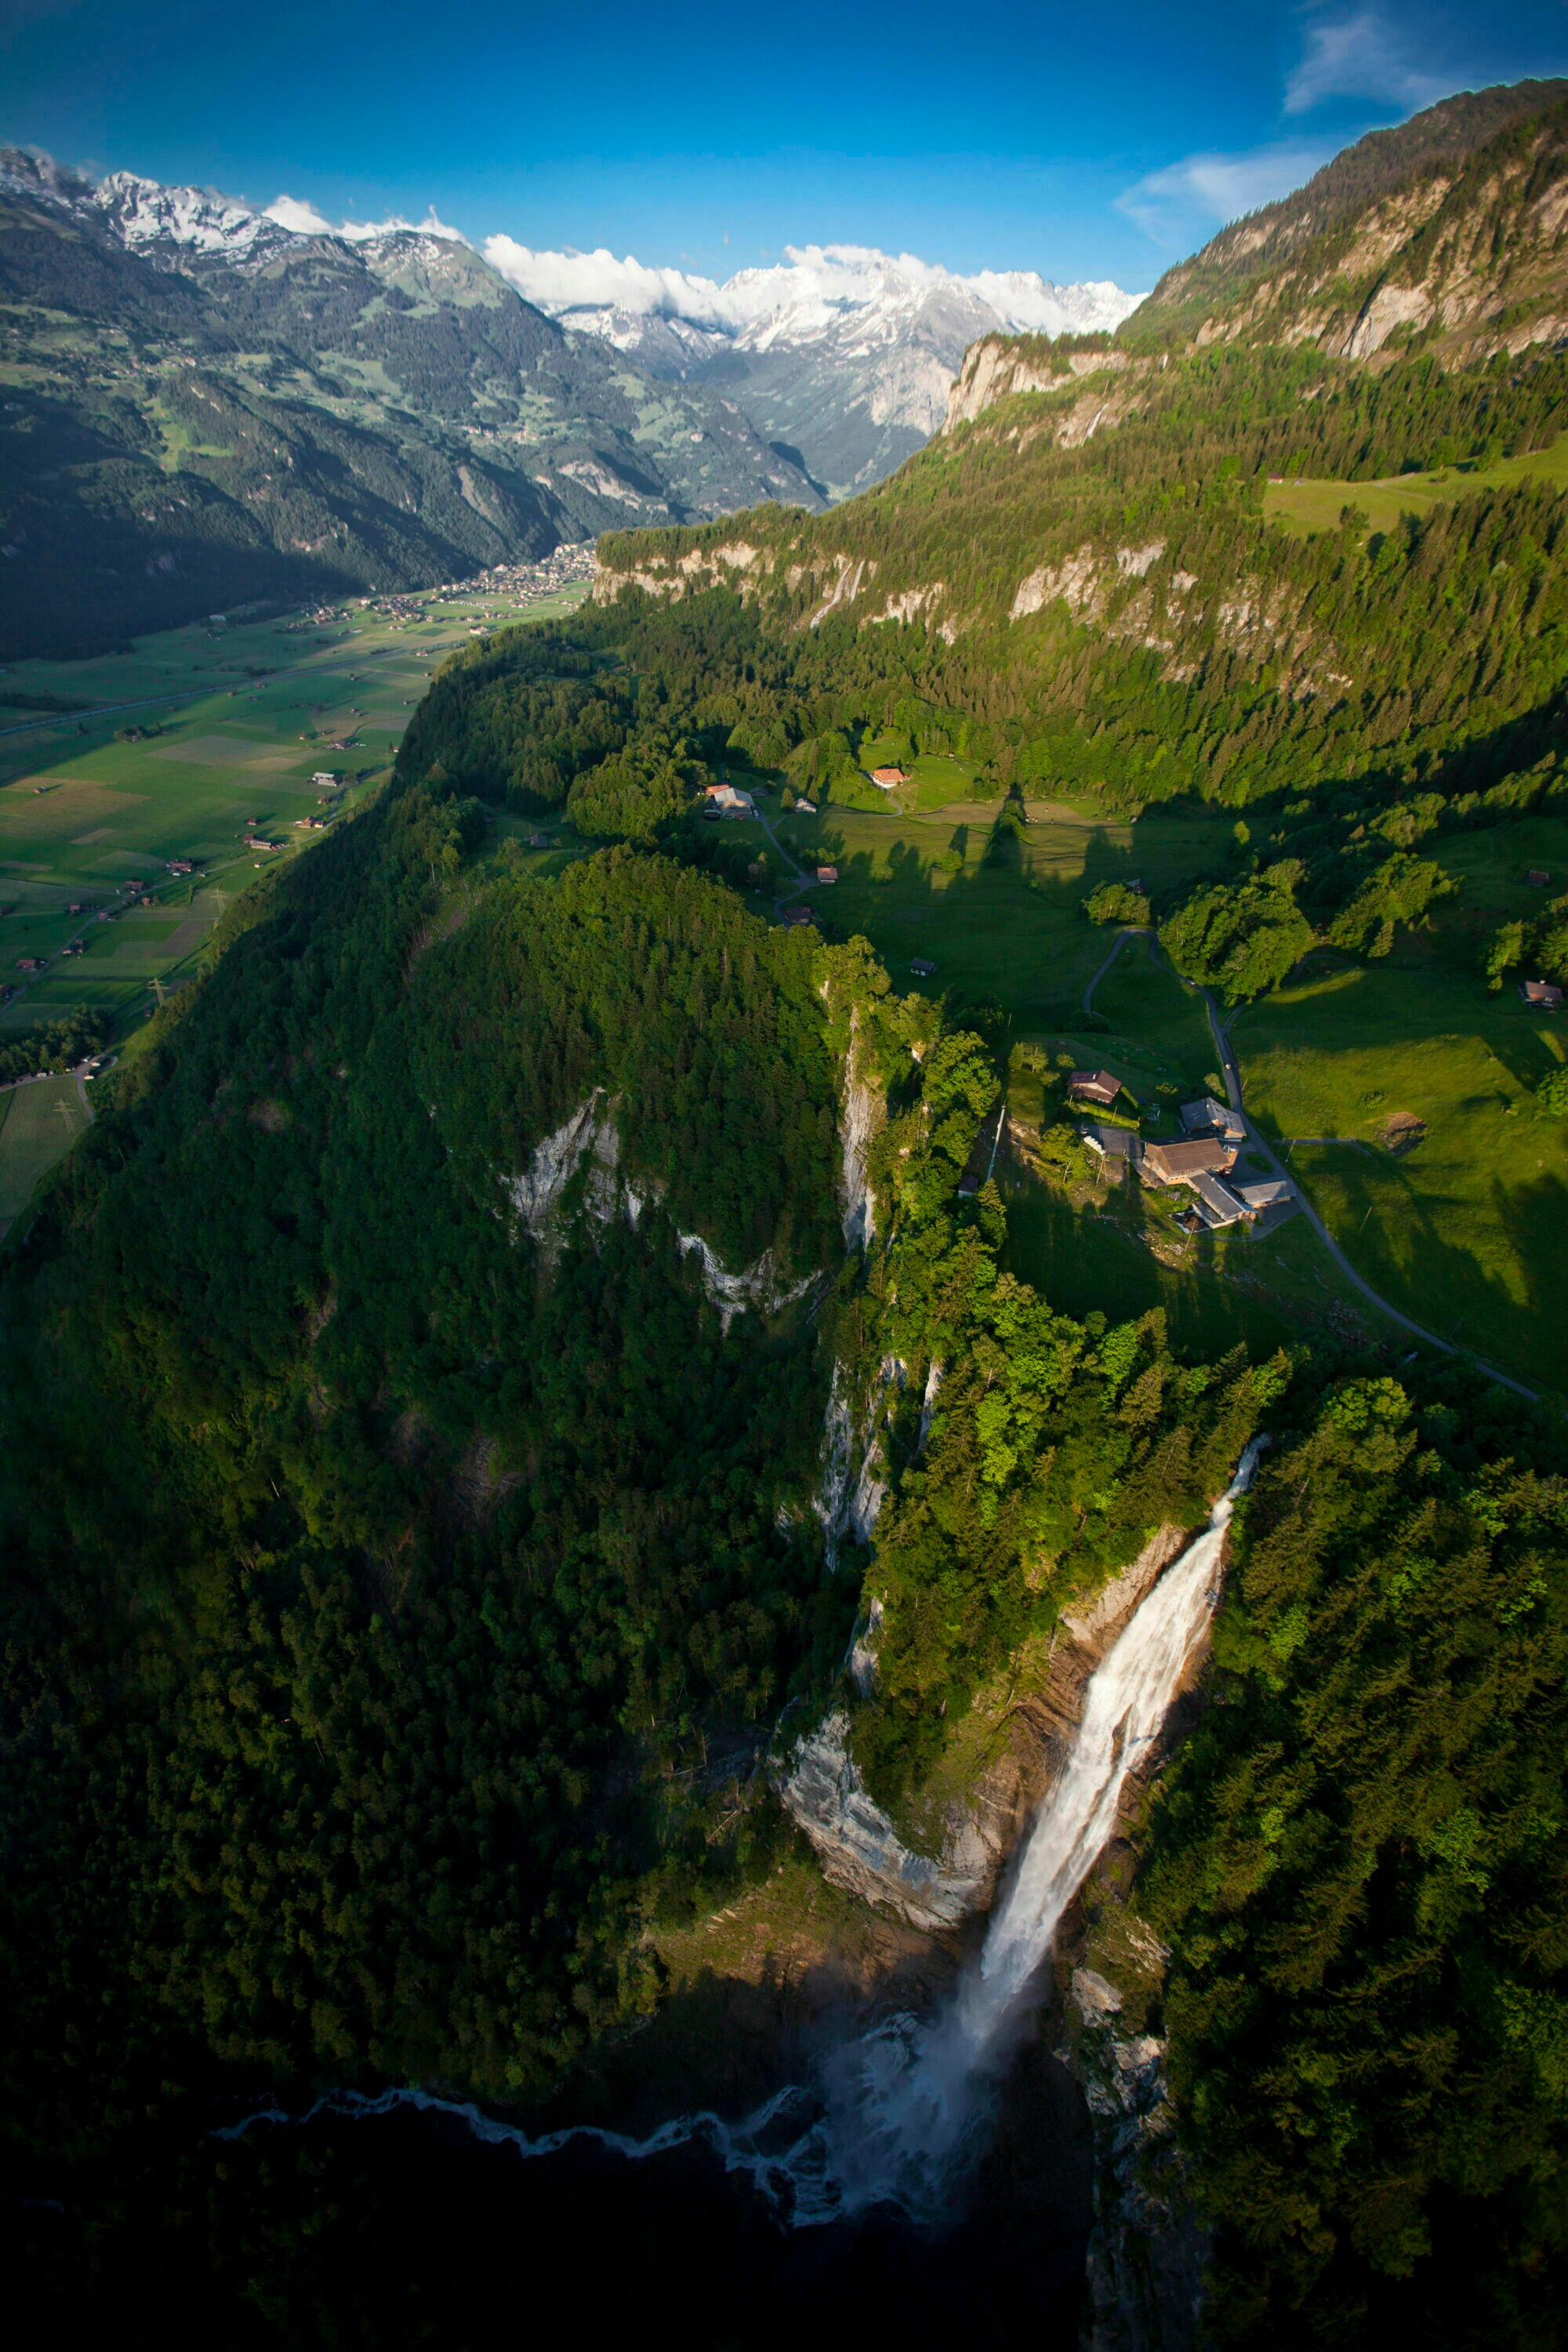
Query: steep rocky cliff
x=940, y=1861
x=1448, y=230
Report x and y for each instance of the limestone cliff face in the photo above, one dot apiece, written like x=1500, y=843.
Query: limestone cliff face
x=539, y=1198
x=999, y=366
x=1147, y=2249
x=1468, y=253
x=944, y=1862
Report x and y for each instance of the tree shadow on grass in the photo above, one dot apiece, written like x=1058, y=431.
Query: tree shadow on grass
x=1083, y=1259
x=1391, y=1236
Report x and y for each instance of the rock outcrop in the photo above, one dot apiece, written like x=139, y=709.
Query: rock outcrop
x=935, y=1872
x=1147, y=2249
x=996, y=367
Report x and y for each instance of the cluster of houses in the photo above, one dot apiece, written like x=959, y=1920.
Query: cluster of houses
x=1202, y=1159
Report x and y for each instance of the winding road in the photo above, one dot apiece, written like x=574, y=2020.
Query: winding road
x=1231, y=1069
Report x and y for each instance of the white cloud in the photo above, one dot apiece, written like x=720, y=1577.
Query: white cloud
x=802, y=293
x=1361, y=55
x=289, y=212
x=570, y=280
x=1203, y=191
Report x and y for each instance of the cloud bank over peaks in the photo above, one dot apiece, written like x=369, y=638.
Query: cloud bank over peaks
x=290, y=212
x=813, y=285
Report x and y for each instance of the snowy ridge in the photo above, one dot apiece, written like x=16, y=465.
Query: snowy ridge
x=807, y=298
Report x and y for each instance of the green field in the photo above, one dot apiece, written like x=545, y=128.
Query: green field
x=1309, y=506
x=38, y=1124
x=1118, y=1250
x=1007, y=921
x=81, y=813
x=1465, y=1230
x=247, y=714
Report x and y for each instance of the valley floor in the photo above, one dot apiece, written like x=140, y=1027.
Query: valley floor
x=246, y=715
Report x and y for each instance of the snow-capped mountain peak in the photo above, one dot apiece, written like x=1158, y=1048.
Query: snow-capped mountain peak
x=803, y=298
x=840, y=351
x=841, y=356
x=144, y=213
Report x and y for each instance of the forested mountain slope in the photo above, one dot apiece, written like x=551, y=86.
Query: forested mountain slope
x=1080, y=585
x=1445, y=228
x=418, y=1445
x=202, y=412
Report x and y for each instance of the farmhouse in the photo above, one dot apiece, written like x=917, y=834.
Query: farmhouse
x=922, y=966
x=796, y=916
x=30, y=963
x=1538, y=877
x=805, y=808
x=1178, y=1163
x=1541, y=992
x=1094, y=1086
x=1207, y=1117
x=728, y=802
x=827, y=873
x=888, y=777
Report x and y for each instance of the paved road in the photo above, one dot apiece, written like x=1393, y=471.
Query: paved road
x=1232, y=1069
x=803, y=881
x=1130, y=932
x=1232, y=1072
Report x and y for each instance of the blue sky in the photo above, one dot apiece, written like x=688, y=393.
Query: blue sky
x=1082, y=140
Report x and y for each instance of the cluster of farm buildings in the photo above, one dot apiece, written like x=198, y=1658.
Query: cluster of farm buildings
x=1202, y=1159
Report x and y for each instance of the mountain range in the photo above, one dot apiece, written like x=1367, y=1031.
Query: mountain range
x=205, y=406
x=843, y=355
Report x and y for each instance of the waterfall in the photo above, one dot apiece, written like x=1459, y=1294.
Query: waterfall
x=898, y=2113
x=904, y=2105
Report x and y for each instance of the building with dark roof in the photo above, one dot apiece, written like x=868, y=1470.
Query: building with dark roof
x=1207, y=1117
x=1119, y=1145
x=1178, y=1163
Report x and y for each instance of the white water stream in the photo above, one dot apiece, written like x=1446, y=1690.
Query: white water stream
x=898, y=2113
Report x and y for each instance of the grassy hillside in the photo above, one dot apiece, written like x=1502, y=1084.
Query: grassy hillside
x=1309, y=506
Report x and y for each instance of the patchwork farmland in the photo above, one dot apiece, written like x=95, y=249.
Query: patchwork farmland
x=200, y=749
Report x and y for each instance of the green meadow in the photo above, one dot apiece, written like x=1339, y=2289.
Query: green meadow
x=1001, y=915
x=1448, y=1193
x=38, y=1124
x=1312, y=506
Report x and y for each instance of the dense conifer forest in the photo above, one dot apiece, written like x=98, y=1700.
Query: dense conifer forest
x=414, y=1477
